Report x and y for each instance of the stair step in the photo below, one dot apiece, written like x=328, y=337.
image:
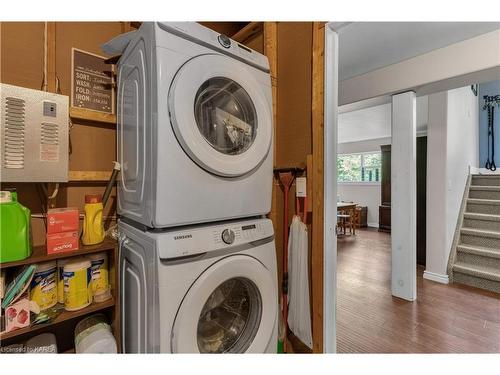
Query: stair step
x=488, y=202
x=481, y=180
x=484, y=192
x=480, y=233
x=488, y=273
x=483, y=206
x=478, y=216
x=478, y=250
x=485, y=187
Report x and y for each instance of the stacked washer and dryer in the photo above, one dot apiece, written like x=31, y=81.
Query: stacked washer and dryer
x=197, y=256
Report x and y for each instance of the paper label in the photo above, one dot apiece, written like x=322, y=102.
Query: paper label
x=49, y=152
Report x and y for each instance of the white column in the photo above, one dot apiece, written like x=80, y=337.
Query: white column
x=330, y=183
x=437, y=218
x=403, y=196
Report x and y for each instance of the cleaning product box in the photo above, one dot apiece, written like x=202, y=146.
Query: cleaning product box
x=63, y=220
x=62, y=242
x=62, y=230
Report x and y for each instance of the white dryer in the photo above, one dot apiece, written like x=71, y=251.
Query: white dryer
x=195, y=132
x=202, y=289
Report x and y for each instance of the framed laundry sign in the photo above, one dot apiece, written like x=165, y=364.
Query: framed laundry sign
x=92, y=87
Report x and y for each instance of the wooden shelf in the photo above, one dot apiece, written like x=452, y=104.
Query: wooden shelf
x=82, y=176
x=89, y=115
x=248, y=31
x=64, y=316
x=39, y=253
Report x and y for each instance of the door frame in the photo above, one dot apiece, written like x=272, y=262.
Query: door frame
x=469, y=72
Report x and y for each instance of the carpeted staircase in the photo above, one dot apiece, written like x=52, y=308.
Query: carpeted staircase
x=475, y=261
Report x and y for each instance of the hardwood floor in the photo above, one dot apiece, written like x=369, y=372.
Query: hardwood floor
x=444, y=319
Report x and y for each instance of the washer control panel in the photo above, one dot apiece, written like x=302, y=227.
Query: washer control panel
x=199, y=240
x=198, y=33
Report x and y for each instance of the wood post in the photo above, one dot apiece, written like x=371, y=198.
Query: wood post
x=318, y=178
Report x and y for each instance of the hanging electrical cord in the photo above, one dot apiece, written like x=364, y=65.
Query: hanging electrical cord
x=41, y=198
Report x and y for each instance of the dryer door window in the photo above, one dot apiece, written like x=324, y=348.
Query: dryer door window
x=232, y=307
x=230, y=318
x=220, y=111
x=225, y=115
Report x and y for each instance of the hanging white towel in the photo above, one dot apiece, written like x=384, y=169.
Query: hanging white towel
x=299, y=316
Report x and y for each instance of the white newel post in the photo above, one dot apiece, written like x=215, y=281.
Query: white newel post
x=403, y=196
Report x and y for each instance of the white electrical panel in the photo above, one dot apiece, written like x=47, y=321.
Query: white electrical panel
x=34, y=135
x=301, y=187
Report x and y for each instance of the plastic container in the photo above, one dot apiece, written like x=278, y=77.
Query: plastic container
x=60, y=279
x=93, y=335
x=77, y=289
x=100, y=272
x=14, y=228
x=44, y=343
x=43, y=287
x=93, y=228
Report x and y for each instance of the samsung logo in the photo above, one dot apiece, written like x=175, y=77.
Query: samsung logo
x=183, y=237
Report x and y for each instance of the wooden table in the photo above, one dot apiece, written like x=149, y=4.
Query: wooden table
x=351, y=208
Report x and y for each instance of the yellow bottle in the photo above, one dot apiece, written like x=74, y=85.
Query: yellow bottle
x=93, y=228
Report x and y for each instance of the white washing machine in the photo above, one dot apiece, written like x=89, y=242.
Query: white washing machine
x=195, y=132
x=202, y=289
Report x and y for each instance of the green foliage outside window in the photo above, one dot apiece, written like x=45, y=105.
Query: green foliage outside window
x=363, y=167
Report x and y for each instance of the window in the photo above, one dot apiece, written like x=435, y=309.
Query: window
x=363, y=167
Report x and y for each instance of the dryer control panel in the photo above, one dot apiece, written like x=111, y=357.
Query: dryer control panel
x=199, y=240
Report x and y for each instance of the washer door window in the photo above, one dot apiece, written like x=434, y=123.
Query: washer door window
x=225, y=115
x=230, y=318
x=220, y=114
x=230, y=308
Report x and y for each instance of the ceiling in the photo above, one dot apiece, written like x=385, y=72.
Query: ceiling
x=375, y=122
x=366, y=46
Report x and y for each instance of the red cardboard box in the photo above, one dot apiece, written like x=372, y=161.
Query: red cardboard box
x=63, y=220
x=62, y=242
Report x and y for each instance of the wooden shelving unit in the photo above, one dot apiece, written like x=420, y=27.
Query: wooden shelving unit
x=93, y=116
x=39, y=254
x=64, y=316
x=89, y=176
x=67, y=320
x=250, y=30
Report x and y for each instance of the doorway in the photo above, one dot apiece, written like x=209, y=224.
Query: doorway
x=367, y=88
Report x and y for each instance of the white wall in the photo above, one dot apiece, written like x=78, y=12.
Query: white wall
x=452, y=146
x=370, y=123
x=365, y=195
x=462, y=151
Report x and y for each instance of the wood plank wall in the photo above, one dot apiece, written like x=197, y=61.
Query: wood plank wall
x=93, y=144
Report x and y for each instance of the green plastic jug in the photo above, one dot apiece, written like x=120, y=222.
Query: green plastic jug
x=14, y=228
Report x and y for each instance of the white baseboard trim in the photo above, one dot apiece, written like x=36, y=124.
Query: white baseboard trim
x=372, y=225
x=437, y=277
